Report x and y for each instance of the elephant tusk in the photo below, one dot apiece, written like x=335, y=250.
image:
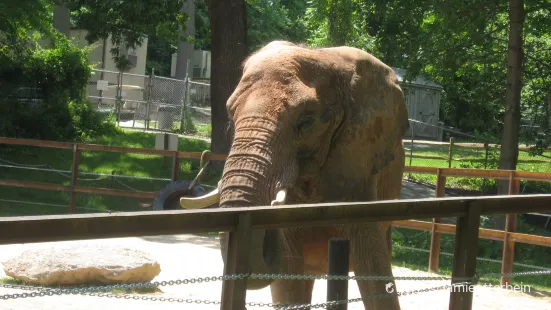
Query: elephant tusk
x=200, y=202
x=280, y=198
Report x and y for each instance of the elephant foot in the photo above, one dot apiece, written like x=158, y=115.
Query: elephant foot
x=288, y=292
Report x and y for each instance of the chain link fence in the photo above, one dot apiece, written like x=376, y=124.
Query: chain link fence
x=149, y=102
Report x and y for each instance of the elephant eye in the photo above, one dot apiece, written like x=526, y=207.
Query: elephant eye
x=305, y=123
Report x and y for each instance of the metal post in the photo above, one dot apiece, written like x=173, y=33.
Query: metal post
x=339, y=258
x=186, y=91
x=464, y=259
x=148, y=104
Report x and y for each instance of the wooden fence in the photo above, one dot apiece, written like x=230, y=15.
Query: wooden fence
x=508, y=236
x=453, y=146
x=241, y=222
x=74, y=188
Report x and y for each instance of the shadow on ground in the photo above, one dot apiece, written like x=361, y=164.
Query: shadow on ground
x=210, y=241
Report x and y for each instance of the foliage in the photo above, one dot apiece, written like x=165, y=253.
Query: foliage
x=42, y=89
x=202, y=25
x=159, y=55
x=273, y=20
x=128, y=22
x=461, y=45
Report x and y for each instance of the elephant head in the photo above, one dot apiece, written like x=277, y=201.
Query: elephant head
x=310, y=125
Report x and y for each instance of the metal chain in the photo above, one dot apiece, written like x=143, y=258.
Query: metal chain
x=347, y=301
x=43, y=291
x=518, y=274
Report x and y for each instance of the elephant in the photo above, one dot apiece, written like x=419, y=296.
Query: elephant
x=314, y=125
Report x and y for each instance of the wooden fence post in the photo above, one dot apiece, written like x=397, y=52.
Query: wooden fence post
x=450, y=153
x=338, y=265
x=238, y=248
x=510, y=226
x=434, y=256
x=74, y=179
x=464, y=258
x=175, y=166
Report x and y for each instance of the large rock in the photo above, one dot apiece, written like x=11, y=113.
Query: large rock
x=82, y=264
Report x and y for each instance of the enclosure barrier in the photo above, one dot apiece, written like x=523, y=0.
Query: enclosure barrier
x=240, y=223
x=508, y=236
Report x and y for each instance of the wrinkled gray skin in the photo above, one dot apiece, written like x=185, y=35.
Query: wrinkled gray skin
x=327, y=124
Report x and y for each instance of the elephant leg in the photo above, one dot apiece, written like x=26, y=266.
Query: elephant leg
x=289, y=292
x=389, y=186
x=292, y=291
x=370, y=254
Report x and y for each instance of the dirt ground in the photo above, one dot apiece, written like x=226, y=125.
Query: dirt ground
x=185, y=256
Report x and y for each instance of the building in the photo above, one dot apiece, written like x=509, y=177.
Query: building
x=200, y=63
x=423, y=103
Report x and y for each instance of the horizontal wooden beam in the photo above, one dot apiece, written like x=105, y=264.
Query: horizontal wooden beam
x=482, y=173
x=484, y=233
x=36, y=185
x=78, y=189
x=108, y=148
x=132, y=224
x=462, y=144
x=38, y=143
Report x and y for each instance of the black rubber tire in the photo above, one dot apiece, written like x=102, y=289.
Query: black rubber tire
x=169, y=197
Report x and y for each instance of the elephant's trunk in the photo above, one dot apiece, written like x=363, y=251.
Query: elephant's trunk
x=251, y=178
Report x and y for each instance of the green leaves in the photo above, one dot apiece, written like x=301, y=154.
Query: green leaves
x=128, y=22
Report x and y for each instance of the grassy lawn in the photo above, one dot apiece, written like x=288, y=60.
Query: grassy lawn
x=464, y=157
x=142, y=173
x=524, y=253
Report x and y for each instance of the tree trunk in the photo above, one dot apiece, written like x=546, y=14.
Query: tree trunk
x=62, y=19
x=511, y=120
x=340, y=14
x=185, y=49
x=548, y=132
x=229, y=47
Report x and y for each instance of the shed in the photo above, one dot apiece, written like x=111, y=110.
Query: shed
x=423, y=103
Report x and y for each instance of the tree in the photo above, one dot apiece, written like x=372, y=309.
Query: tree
x=128, y=22
x=186, y=44
x=274, y=20
x=511, y=120
x=62, y=19
x=229, y=48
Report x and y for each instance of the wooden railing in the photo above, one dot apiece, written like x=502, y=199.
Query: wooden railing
x=74, y=188
x=508, y=236
x=241, y=222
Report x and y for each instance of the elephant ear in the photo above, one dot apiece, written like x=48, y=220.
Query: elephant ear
x=374, y=123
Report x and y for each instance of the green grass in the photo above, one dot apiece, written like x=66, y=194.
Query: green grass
x=134, y=165
x=464, y=157
x=524, y=253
